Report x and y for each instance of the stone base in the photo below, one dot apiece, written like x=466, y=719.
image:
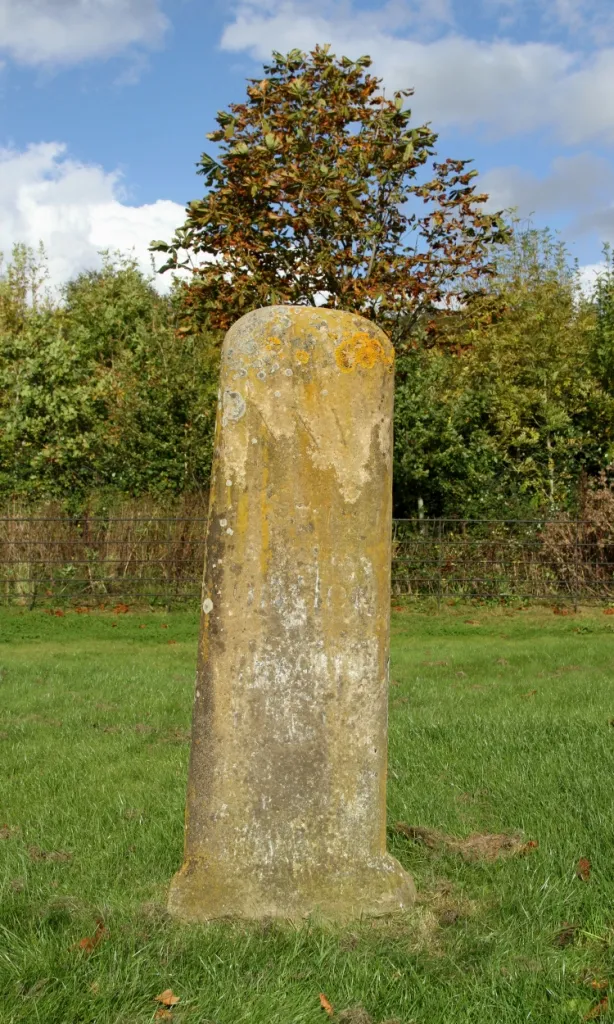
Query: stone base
x=200, y=893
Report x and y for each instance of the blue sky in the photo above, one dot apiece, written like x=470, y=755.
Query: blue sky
x=105, y=105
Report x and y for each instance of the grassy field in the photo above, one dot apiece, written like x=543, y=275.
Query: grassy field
x=500, y=722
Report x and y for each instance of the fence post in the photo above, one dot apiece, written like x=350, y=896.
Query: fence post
x=439, y=566
x=576, y=565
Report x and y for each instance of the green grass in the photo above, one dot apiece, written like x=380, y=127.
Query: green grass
x=94, y=721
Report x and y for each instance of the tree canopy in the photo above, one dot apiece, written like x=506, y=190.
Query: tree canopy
x=323, y=192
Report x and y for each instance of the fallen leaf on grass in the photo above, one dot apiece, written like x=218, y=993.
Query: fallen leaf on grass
x=608, y=611
x=82, y=610
x=163, y=625
x=89, y=944
x=530, y=693
x=598, y=984
x=162, y=1014
x=143, y=625
x=167, y=998
x=35, y=853
x=562, y=611
x=171, y=641
x=598, y=1010
x=583, y=869
x=474, y=847
x=326, y=1006
x=121, y=609
x=472, y=622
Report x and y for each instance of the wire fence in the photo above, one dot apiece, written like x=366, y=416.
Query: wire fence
x=159, y=560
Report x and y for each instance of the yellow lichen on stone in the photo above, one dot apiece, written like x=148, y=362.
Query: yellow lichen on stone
x=301, y=356
x=361, y=351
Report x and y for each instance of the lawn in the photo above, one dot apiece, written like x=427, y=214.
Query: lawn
x=500, y=722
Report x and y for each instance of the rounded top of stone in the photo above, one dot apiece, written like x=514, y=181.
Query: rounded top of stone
x=352, y=342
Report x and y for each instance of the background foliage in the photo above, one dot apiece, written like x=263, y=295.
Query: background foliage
x=321, y=191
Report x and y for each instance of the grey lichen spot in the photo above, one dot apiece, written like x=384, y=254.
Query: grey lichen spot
x=229, y=483
x=288, y=372
x=242, y=372
x=274, y=368
x=207, y=605
x=230, y=531
x=234, y=405
x=254, y=440
x=223, y=522
x=261, y=375
x=278, y=394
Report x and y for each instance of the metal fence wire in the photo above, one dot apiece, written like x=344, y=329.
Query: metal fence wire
x=96, y=560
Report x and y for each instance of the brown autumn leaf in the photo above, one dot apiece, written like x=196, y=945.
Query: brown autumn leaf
x=326, y=1006
x=121, y=609
x=82, y=610
x=598, y=1010
x=167, y=998
x=472, y=622
x=583, y=869
x=598, y=984
x=608, y=611
x=171, y=641
x=566, y=935
x=163, y=625
x=88, y=945
x=143, y=625
x=162, y=1014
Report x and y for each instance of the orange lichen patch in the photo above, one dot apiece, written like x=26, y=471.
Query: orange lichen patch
x=272, y=343
x=361, y=351
x=302, y=356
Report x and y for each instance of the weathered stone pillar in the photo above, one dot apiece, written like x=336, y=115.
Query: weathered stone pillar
x=286, y=804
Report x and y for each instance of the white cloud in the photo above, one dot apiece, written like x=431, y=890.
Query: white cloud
x=76, y=210
x=590, y=20
x=507, y=87
x=574, y=184
x=51, y=32
x=589, y=274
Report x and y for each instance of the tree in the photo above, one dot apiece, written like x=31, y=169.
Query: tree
x=549, y=415
x=317, y=196
x=602, y=349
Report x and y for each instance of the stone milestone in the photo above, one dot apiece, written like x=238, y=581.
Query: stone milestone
x=286, y=802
